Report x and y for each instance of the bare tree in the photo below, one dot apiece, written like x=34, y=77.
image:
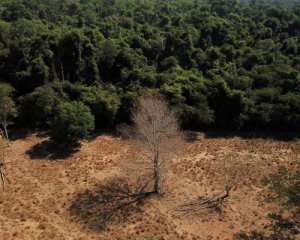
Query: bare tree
x=155, y=135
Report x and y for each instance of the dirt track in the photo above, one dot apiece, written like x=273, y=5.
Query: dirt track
x=53, y=192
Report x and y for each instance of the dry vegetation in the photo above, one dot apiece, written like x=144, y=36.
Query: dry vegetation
x=60, y=199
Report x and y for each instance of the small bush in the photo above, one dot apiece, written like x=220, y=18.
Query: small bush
x=72, y=122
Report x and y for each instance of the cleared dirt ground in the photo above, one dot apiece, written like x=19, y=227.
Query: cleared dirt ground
x=53, y=194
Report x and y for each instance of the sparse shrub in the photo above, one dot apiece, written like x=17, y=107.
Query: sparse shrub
x=279, y=229
x=285, y=187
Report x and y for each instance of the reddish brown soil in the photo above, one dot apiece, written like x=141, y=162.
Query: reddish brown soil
x=48, y=191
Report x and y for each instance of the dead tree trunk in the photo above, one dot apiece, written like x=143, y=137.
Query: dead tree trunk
x=156, y=173
x=62, y=71
x=3, y=177
x=6, y=133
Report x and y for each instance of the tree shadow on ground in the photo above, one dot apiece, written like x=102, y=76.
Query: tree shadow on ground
x=191, y=136
x=113, y=202
x=48, y=149
x=16, y=134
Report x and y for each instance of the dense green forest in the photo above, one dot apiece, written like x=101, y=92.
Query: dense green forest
x=223, y=64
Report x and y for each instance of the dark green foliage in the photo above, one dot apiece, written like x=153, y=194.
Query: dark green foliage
x=104, y=104
x=186, y=92
x=37, y=108
x=224, y=64
x=72, y=122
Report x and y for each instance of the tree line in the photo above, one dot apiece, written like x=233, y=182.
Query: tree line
x=220, y=64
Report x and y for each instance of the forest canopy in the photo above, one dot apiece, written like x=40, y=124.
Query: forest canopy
x=221, y=64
